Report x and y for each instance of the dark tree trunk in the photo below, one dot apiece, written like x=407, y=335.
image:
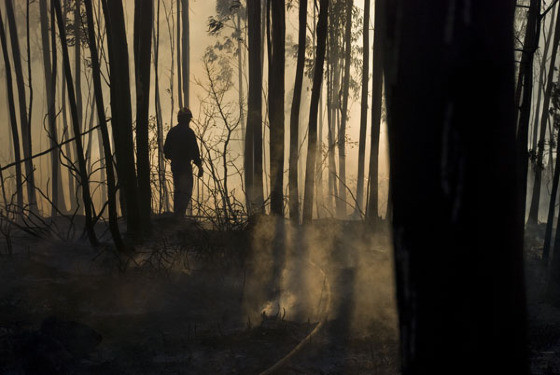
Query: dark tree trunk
x=186, y=51
x=535, y=198
x=342, y=207
x=363, y=110
x=22, y=101
x=460, y=287
x=121, y=111
x=276, y=104
x=13, y=119
x=50, y=72
x=313, y=112
x=530, y=46
x=294, y=115
x=178, y=46
x=84, y=182
x=98, y=93
x=253, y=136
x=372, y=210
x=143, y=20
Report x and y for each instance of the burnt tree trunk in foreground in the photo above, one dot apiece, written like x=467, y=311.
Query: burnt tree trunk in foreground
x=458, y=233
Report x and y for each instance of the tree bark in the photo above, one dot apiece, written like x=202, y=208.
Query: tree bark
x=186, y=50
x=143, y=20
x=460, y=287
x=121, y=111
x=535, y=198
x=372, y=210
x=98, y=93
x=294, y=115
x=22, y=101
x=276, y=90
x=84, y=181
x=313, y=112
x=363, y=110
x=342, y=207
x=13, y=119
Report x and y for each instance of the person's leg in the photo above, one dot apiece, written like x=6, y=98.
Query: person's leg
x=189, y=188
x=181, y=192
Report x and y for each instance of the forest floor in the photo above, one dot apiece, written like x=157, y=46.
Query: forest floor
x=192, y=300
x=544, y=318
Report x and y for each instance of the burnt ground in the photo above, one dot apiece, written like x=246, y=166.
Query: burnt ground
x=544, y=317
x=198, y=301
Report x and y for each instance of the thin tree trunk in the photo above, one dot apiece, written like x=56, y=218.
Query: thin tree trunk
x=98, y=93
x=276, y=105
x=372, y=211
x=13, y=119
x=530, y=45
x=363, y=110
x=143, y=20
x=535, y=199
x=342, y=212
x=121, y=111
x=294, y=116
x=22, y=101
x=186, y=50
x=84, y=182
x=178, y=46
x=313, y=112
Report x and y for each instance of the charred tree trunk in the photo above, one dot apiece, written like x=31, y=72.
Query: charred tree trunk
x=294, y=115
x=178, y=46
x=363, y=109
x=435, y=147
x=49, y=72
x=143, y=19
x=314, y=108
x=98, y=92
x=342, y=207
x=84, y=182
x=13, y=119
x=186, y=51
x=253, y=135
x=372, y=210
x=530, y=46
x=22, y=101
x=276, y=104
x=121, y=111
x=535, y=199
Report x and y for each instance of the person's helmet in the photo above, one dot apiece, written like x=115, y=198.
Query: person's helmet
x=184, y=114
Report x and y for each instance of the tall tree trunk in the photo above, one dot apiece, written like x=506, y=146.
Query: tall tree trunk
x=13, y=119
x=276, y=105
x=440, y=236
x=530, y=46
x=294, y=115
x=372, y=210
x=98, y=93
x=186, y=50
x=313, y=112
x=178, y=46
x=78, y=74
x=342, y=207
x=84, y=182
x=363, y=109
x=159, y=120
x=253, y=135
x=22, y=101
x=121, y=111
x=143, y=20
x=535, y=199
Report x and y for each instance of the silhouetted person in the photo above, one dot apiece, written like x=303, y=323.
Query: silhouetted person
x=181, y=148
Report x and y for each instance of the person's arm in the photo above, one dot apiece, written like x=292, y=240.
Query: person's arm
x=196, y=155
